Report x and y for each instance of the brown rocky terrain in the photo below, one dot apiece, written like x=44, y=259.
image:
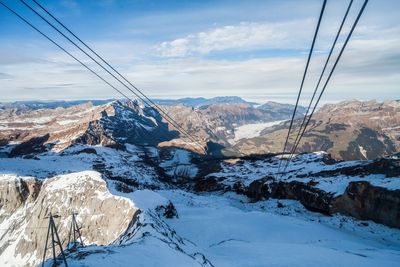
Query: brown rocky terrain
x=109, y=124
x=217, y=122
x=115, y=123
x=347, y=130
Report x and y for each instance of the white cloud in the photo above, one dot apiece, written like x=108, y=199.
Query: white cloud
x=243, y=36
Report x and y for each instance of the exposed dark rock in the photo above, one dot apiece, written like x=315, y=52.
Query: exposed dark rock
x=87, y=151
x=124, y=188
x=208, y=184
x=360, y=200
x=279, y=205
x=319, y=143
x=168, y=211
x=312, y=198
x=373, y=142
x=95, y=135
x=259, y=189
x=333, y=127
x=15, y=194
x=367, y=202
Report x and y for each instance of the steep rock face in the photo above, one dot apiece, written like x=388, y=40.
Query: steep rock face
x=360, y=200
x=367, y=202
x=312, y=198
x=84, y=193
x=15, y=192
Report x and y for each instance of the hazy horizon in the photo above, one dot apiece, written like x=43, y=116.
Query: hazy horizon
x=254, y=100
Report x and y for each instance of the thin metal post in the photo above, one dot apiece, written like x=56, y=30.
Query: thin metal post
x=45, y=246
x=59, y=244
x=55, y=240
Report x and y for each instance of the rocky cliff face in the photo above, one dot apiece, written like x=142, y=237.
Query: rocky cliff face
x=360, y=200
x=15, y=192
x=27, y=203
x=367, y=202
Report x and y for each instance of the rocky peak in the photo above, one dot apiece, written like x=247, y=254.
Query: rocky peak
x=113, y=123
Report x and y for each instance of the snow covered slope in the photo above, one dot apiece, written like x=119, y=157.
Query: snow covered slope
x=233, y=220
x=226, y=230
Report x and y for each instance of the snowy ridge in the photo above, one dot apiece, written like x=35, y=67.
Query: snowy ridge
x=177, y=228
x=304, y=168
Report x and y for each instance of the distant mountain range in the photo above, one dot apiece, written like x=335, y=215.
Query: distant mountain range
x=33, y=105
x=188, y=101
x=347, y=130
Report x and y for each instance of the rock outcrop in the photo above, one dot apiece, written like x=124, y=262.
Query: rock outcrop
x=15, y=192
x=367, y=202
x=101, y=216
x=366, y=190
x=360, y=200
x=312, y=198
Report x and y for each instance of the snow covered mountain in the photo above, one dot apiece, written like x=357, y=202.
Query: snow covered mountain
x=109, y=124
x=141, y=199
x=348, y=130
x=119, y=122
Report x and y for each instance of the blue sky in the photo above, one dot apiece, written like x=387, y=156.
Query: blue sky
x=169, y=49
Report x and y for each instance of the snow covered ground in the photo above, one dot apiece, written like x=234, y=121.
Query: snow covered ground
x=228, y=231
x=217, y=229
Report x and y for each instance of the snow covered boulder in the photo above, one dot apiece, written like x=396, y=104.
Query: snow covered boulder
x=102, y=216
